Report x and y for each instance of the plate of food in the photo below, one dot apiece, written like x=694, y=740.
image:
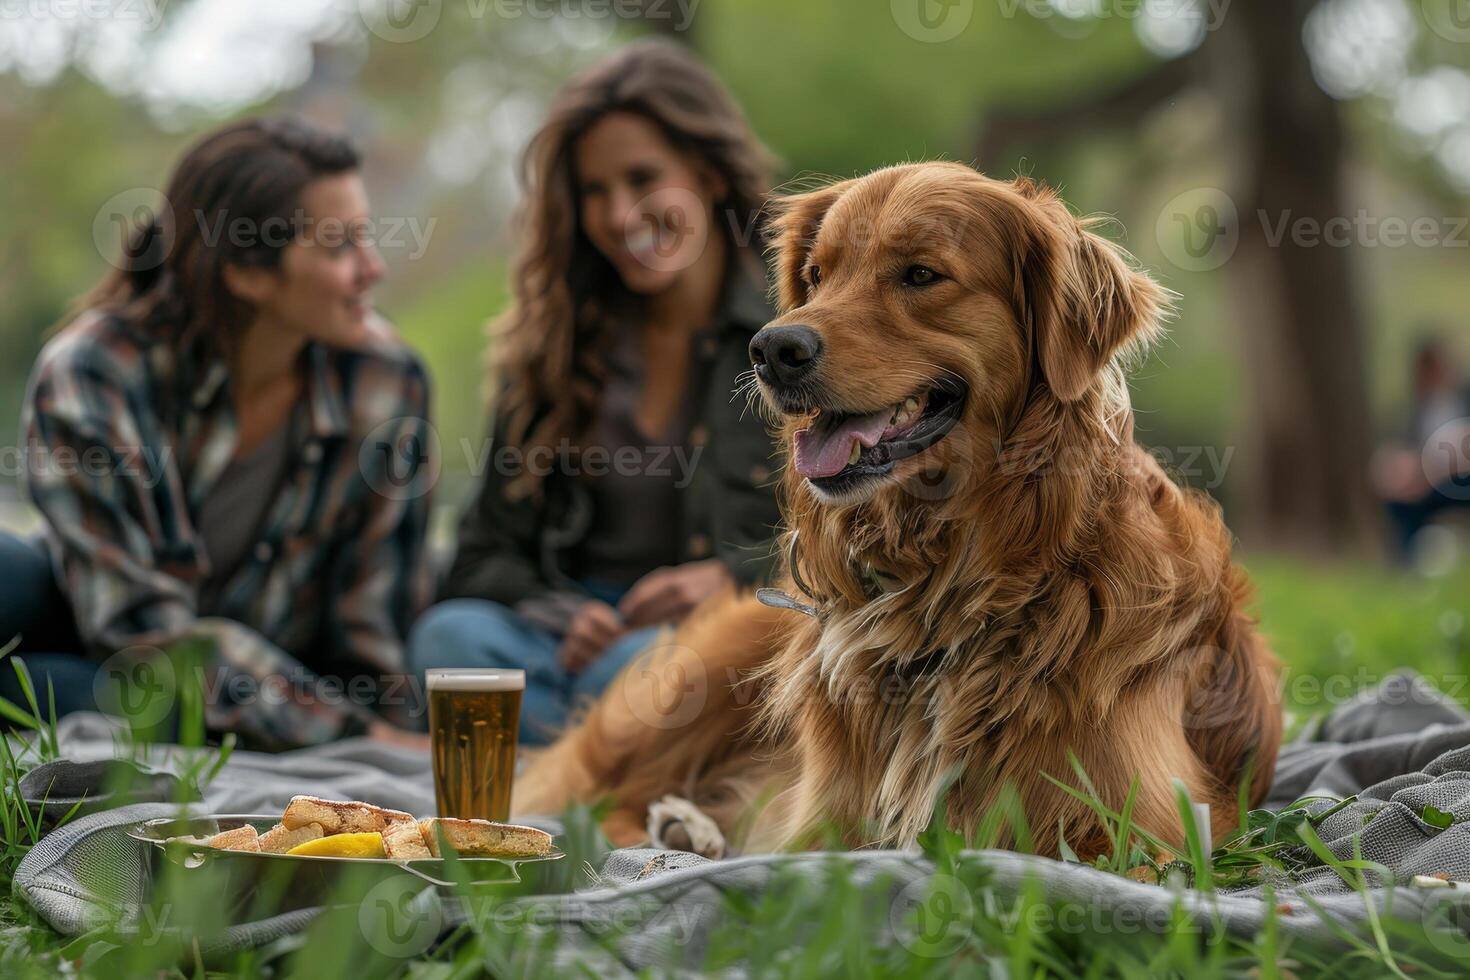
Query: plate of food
x=309, y=851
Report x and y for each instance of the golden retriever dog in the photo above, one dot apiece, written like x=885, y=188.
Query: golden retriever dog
x=988, y=582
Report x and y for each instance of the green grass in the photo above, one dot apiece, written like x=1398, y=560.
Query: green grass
x=1338, y=630
x=1335, y=630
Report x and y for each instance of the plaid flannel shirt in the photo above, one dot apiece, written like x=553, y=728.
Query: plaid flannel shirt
x=125, y=438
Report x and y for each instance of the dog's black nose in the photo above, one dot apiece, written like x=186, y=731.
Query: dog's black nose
x=784, y=355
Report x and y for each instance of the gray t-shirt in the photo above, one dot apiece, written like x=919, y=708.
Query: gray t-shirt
x=632, y=478
x=236, y=507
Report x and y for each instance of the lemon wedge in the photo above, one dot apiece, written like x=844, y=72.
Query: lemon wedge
x=342, y=846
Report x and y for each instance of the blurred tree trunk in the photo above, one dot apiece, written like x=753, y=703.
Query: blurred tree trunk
x=1306, y=443
x=1294, y=301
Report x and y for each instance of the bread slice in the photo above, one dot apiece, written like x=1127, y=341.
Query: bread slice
x=404, y=841
x=484, y=838
x=240, y=839
x=280, y=838
x=340, y=817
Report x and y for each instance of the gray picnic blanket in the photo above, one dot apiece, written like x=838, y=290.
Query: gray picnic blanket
x=1402, y=748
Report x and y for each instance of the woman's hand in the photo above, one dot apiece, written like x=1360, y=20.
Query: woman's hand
x=667, y=595
x=1398, y=474
x=381, y=731
x=594, y=628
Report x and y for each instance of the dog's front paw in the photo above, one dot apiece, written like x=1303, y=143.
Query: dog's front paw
x=678, y=825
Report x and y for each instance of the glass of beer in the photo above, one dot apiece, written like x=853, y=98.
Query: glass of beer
x=474, y=715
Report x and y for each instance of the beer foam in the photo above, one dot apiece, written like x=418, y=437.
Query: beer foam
x=472, y=679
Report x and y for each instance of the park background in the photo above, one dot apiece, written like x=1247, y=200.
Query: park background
x=1297, y=170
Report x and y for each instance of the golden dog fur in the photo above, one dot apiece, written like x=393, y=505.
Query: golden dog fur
x=1031, y=587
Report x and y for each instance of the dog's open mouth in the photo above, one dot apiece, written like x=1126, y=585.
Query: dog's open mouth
x=840, y=449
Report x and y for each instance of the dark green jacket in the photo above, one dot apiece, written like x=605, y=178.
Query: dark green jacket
x=511, y=551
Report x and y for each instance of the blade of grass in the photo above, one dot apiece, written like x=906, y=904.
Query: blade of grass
x=1006, y=812
x=1109, y=825
x=13, y=712
x=226, y=747
x=1243, y=799
x=51, y=717
x=1358, y=883
x=1063, y=848
x=1199, y=857
x=45, y=744
x=1101, y=809
x=1270, y=941
x=1341, y=804
x=28, y=689
x=1121, y=850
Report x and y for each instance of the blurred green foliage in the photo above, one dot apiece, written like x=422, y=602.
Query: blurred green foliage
x=835, y=88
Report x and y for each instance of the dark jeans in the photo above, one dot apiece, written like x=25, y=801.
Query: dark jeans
x=1409, y=518
x=33, y=608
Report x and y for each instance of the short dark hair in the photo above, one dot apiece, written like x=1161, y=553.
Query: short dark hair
x=170, y=276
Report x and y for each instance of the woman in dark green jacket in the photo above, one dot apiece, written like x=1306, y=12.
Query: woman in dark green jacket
x=627, y=481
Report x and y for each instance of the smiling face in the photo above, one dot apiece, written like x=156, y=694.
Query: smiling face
x=646, y=206
x=917, y=300
x=322, y=289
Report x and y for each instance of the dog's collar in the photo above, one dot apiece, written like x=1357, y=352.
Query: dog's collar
x=780, y=598
x=875, y=583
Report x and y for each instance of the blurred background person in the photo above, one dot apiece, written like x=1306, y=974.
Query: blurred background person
x=1429, y=473
x=637, y=484
x=192, y=443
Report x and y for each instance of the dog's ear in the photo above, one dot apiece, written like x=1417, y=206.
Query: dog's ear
x=790, y=232
x=1085, y=300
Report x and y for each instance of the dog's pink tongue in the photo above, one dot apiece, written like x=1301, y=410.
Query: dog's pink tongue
x=825, y=452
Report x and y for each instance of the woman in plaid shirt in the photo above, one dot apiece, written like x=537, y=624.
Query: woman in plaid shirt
x=230, y=452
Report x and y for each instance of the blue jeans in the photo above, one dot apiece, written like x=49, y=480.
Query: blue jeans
x=481, y=633
x=33, y=608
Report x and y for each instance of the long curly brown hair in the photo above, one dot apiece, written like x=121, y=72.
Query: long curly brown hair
x=547, y=348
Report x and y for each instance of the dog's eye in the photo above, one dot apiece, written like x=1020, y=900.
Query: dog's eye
x=814, y=273
x=920, y=275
